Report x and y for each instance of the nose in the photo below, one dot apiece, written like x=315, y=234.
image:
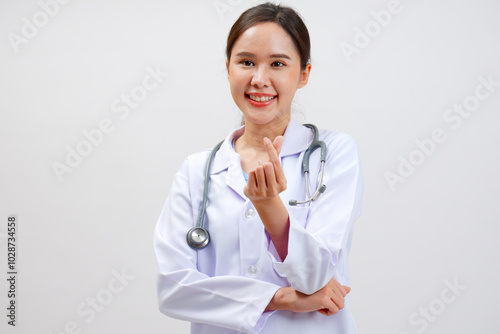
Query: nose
x=261, y=77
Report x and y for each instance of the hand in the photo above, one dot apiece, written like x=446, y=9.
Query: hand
x=268, y=179
x=263, y=187
x=327, y=301
x=332, y=295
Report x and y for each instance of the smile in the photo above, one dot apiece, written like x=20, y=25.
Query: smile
x=261, y=98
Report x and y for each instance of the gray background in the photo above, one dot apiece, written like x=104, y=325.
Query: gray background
x=78, y=231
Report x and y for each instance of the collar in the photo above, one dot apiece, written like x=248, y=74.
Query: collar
x=296, y=139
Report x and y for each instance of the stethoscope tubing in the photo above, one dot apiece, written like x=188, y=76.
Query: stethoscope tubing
x=202, y=233
x=206, y=184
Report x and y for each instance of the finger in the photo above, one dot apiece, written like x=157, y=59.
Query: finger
x=278, y=143
x=325, y=311
x=270, y=179
x=261, y=178
x=340, y=288
x=338, y=299
x=338, y=294
x=251, y=184
x=273, y=155
x=332, y=309
x=271, y=151
x=347, y=289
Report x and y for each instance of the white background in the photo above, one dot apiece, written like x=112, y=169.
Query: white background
x=75, y=233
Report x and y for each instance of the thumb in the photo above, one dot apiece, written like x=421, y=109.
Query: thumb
x=277, y=143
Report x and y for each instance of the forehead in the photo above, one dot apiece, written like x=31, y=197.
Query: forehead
x=267, y=37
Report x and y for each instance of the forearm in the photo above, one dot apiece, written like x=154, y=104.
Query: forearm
x=274, y=216
x=231, y=299
x=329, y=300
x=282, y=300
x=289, y=299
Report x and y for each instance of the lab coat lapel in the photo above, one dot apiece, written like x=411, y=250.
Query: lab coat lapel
x=295, y=139
x=234, y=176
x=228, y=159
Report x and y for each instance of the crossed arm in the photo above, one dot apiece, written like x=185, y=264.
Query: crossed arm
x=265, y=183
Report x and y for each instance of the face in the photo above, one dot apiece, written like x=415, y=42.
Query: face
x=264, y=72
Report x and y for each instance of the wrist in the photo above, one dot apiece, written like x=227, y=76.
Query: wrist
x=271, y=209
x=274, y=216
x=261, y=203
x=282, y=299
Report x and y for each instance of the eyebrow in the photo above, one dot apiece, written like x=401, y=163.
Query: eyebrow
x=274, y=55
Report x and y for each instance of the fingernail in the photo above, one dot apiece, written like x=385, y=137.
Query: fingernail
x=261, y=162
x=266, y=141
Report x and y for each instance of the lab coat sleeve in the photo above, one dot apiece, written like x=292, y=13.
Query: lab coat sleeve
x=320, y=236
x=185, y=293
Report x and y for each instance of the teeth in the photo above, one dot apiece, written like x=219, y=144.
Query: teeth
x=261, y=99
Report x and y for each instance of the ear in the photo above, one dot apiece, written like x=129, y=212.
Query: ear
x=227, y=68
x=304, y=76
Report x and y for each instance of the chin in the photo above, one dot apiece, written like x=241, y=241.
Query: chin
x=263, y=120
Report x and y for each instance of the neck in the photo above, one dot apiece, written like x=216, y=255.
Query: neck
x=254, y=133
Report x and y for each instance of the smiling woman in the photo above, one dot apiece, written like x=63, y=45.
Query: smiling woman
x=264, y=71
x=271, y=267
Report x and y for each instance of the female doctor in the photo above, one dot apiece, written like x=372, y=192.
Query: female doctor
x=270, y=267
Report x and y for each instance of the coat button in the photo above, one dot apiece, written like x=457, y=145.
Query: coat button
x=252, y=271
x=250, y=213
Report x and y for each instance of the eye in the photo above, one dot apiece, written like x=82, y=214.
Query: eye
x=278, y=64
x=246, y=63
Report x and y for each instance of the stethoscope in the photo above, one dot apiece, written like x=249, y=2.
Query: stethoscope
x=198, y=237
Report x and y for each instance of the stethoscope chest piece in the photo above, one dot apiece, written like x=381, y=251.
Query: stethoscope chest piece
x=198, y=237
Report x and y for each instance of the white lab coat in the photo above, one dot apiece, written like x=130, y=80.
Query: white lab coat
x=225, y=287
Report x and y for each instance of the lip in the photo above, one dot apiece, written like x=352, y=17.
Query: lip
x=260, y=104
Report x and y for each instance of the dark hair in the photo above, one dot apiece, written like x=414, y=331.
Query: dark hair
x=286, y=17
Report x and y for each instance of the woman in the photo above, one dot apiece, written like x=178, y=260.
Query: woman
x=270, y=267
